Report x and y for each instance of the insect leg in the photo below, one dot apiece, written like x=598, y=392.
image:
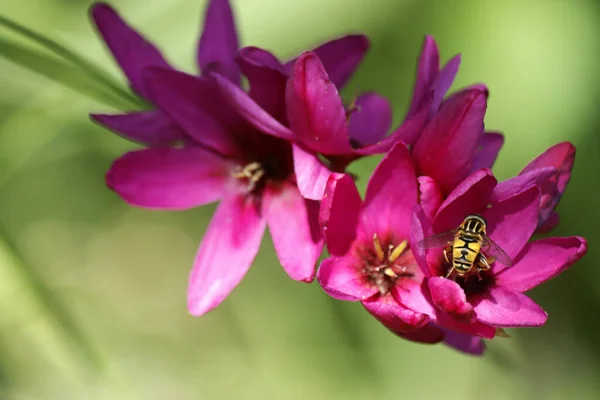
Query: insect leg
x=483, y=263
x=446, y=250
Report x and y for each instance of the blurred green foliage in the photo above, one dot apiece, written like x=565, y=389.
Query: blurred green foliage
x=93, y=292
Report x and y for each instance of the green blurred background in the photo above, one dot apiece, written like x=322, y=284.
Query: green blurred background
x=93, y=293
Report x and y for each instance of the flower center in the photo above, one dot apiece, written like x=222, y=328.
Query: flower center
x=383, y=266
x=476, y=283
x=253, y=173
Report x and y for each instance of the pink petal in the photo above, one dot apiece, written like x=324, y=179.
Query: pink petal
x=251, y=111
x=339, y=213
x=315, y=110
x=311, y=174
x=340, y=57
x=371, y=121
x=219, y=42
x=502, y=307
x=443, y=82
x=341, y=278
x=541, y=261
x=466, y=343
x=451, y=298
x=429, y=334
x=195, y=105
x=509, y=187
x=446, y=148
x=512, y=222
x=168, y=178
x=267, y=80
x=131, y=50
x=226, y=253
x=393, y=316
x=427, y=72
x=469, y=197
x=420, y=228
x=391, y=195
x=549, y=223
x=293, y=223
x=150, y=128
x=489, y=147
x=430, y=196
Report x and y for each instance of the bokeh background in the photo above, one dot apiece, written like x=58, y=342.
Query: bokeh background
x=92, y=292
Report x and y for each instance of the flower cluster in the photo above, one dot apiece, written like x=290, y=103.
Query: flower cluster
x=274, y=154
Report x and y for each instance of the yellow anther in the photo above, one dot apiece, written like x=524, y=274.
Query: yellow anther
x=398, y=250
x=378, y=250
x=389, y=272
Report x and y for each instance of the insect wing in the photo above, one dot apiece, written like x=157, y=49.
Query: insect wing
x=491, y=249
x=439, y=240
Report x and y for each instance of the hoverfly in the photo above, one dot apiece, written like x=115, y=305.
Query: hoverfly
x=468, y=246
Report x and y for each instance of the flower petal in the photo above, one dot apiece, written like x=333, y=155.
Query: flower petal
x=267, y=80
x=339, y=213
x=293, y=223
x=251, y=111
x=371, y=120
x=470, y=196
x=489, y=147
x=315, y=110
x=466, y=343
x=150, y=128
x=427, y=72
x=311, y=174
x=446, y=148
x=451, y=298
x=219, y=42
x=430, y=334
x=195, y=105
x=391, y=195
x=443, y=82
x=394, y=316
x=538, y=177
x=542, y=260
x=131, y=50
x=167, y=178
x=502, y=307
x=228, y=248
x=430, y=196
x=512, y=222
x=341, y=278
x=420, y=228
x=340, y=57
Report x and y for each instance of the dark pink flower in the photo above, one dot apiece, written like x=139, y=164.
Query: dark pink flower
x=495, y=298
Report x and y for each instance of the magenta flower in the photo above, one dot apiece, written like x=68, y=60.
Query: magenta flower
x=371, y=258
x=496, y=300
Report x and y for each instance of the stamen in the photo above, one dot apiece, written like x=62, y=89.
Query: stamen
x=378, y=249
x=390, y=272
x=254, y=172
x=398, y=250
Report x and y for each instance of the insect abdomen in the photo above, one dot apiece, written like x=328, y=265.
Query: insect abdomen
x=465, y=249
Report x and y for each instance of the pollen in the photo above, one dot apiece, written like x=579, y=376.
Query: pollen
x=254, y=172
x=383, y=268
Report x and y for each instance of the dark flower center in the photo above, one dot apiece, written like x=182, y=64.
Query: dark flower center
x=384, y=264
x=477, y=282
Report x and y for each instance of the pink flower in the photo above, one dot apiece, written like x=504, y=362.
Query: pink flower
x=496, y=300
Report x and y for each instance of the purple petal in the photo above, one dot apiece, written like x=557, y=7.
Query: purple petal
x=541, y=261
x=429, y=334
x=391, y=195
x=466, y=343
x=253, y=113
x=470, y=196
x=219, y=42
x=341, y=278
x=502, y=307
x=130, y=49
x=430, y=196
x=446, y=148
x=443, y=82
x=489, y=147
x=150, y=128
x=315, y=110
x=512, y=222
x=311, y=174
x=340, y=57
x=293, y=223
x=394, y=316
x=371, y=121
x=427, y=72
x=195, y=105
x=226, y=253
x=509, y=187
x=339, y=213
x=267, y=80
x=167, y=178
x=451, y=299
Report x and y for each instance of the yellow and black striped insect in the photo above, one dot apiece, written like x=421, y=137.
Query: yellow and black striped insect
x=468, y=248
